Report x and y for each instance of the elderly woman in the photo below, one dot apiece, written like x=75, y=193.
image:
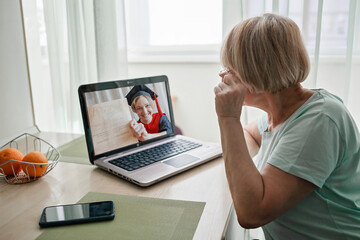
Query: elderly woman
x=304, y=182
x=150, y=124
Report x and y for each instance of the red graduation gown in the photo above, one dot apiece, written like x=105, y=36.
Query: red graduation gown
x=153, y=126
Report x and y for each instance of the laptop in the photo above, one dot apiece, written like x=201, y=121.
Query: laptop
x=130, y=131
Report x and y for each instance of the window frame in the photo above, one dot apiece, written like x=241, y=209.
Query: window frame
x=144, y=53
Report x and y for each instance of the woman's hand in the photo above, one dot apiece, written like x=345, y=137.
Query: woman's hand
x=229, y=96
x=138, y=130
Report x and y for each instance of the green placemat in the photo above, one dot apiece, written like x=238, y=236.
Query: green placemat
x=135, y=218
x=74, y=151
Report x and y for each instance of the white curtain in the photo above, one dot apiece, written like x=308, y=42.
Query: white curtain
x=110, y=35
x=333, y=67
x=82, y=41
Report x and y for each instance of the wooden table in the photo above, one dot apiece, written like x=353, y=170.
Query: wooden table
x=22, y=204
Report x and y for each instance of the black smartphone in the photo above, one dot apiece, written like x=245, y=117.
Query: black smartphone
x=77, y=213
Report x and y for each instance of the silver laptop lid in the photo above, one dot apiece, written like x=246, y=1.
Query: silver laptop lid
x=107, y=114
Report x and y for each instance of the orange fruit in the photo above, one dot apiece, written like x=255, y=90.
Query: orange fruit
x=10, y=168
x=34, y=170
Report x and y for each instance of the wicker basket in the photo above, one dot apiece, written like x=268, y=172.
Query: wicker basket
x=26, y=143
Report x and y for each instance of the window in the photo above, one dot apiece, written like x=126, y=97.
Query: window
x=181, y=23
x=334, y=21
x=164, y=28
x=334, y=24
x=160, y=28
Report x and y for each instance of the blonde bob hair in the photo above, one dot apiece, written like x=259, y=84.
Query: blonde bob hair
x=267, y=52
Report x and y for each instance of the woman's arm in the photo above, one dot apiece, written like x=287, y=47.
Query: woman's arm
x=258, y=198
x=164, y=124
x=252, y=138
x=138, y=130
x=152, y=135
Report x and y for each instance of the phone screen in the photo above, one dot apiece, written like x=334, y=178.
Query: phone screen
x=77, y=213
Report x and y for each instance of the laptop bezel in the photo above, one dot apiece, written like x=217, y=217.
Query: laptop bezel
x=93, y=87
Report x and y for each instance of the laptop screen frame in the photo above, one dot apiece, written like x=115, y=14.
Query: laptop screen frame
x=93, y=87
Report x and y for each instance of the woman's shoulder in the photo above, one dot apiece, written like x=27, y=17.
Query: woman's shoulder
x=164, y=118
x=321, y=107
x=323, y=103
x=329, y=99
x=326, y=106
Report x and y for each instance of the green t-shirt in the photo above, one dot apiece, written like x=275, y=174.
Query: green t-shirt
x=321, y=144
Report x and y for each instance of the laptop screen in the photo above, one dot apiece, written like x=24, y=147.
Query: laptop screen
x=124, y=114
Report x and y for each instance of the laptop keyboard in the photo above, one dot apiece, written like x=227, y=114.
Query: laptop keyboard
x=146, y=157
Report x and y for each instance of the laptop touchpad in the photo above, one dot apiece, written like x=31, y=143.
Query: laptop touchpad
x=181, y=160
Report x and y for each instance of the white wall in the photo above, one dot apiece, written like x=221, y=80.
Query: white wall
x=15, y=98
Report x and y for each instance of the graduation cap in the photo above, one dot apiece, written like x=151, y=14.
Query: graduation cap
x=142, y=90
